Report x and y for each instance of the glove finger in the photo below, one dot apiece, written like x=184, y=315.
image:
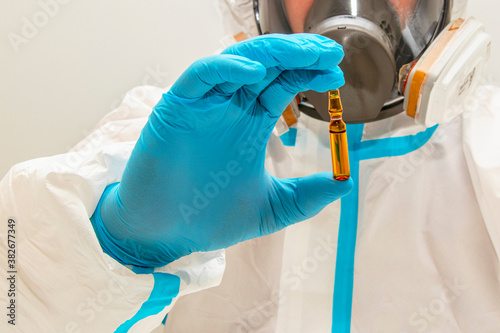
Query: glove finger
x=208, y=72
x=306, y=51
x=283, y=89
x=227, y=88
x=256, y=88
x=297, y=199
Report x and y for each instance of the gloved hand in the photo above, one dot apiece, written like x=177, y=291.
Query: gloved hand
x=196, y=179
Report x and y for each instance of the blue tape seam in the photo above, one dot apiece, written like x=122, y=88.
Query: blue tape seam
x=165, y=289
x=344, y=271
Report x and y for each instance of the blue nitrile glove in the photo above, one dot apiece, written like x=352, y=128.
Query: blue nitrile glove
x=196, y=179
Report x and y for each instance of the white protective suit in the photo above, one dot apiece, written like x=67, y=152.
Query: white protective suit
x=424, y=214
x=428, y=237
x=421, y=227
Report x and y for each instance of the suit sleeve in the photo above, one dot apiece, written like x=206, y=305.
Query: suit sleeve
x=59, y=278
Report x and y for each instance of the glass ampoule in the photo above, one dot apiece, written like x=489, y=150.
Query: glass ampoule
x=338, y=138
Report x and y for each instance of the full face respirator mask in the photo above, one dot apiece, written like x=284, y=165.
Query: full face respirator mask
x=400, y=55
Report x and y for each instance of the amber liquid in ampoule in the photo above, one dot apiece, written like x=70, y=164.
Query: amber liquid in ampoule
x=338, y=138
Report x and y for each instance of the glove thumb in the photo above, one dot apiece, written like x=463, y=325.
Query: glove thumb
x=309, y=195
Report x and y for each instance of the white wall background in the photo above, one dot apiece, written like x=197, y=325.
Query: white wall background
x=78, y=64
